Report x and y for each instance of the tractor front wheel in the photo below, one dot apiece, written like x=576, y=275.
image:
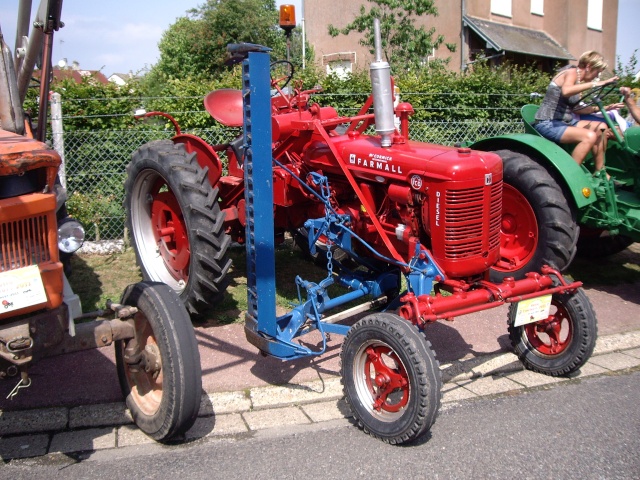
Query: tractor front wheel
x=561, y=343
x=538, y=226
x=391, y=378
x=176, y=225
x=159, y=368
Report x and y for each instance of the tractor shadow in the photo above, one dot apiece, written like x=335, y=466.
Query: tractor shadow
x=231, y=363
x=86, y=284
x=617, y=274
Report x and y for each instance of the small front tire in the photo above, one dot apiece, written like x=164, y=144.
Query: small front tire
x=159, y=368
x=563, y=342
x=391, y=378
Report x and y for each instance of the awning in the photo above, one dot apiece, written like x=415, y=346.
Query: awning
x=501, y=37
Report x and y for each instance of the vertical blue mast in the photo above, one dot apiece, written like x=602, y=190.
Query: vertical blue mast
x=258, y=183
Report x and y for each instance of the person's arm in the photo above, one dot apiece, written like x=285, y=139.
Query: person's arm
x=591, y=109
x=569, y=86
x=631, y=105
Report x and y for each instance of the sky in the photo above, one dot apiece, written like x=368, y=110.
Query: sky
x=115, y=36
x=627, y=41
x=119, y=36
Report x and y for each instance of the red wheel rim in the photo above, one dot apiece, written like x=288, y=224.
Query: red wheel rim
x=169, y=230
x=518, y=231
x=386, y=379
x=552, y=336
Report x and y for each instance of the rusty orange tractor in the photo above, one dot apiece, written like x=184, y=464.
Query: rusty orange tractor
x=156, y=351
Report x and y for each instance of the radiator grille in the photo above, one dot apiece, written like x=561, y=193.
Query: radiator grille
x=495, y=215
x=472, y=221
x=24, y=242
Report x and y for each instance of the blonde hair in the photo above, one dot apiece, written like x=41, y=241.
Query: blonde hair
x=592, y=59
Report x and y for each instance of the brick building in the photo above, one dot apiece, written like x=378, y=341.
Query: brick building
x=541, y=32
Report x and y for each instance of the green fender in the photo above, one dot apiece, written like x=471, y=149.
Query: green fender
x=578, y=181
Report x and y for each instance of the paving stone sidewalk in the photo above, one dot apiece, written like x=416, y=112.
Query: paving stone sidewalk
x=38, y=432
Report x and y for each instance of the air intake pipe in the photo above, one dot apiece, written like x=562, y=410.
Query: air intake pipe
x=380, y=73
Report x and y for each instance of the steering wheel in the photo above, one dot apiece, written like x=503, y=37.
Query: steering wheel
x=597, y=93
x=281, y=71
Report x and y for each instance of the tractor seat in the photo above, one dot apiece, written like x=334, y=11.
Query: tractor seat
x=528, y=113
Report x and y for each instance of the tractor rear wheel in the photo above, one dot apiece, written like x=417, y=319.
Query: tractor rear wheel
x=538, y=226
x=391, y=378
x=561, y=343
x=176, y=225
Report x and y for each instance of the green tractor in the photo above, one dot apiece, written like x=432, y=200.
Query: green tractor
x=553, y=207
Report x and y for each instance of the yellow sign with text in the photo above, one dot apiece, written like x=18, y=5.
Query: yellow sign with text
x=21, y=288
x=533, y=310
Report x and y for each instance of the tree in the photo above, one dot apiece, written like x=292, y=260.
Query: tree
x=403, y=44
x=627, y=72
x=196, y=45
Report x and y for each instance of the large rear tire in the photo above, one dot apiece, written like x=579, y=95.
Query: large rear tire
x=563, y=342
x=176, y=225
x=538, y=225
x=159, y=369
x=597, y=243
x=391, y=378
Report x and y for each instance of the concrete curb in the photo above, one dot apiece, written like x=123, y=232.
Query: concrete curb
x=36, y=432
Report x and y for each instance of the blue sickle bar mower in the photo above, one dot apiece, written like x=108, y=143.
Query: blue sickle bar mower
x=391, y=377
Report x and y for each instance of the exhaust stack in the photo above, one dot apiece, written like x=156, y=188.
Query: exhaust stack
x=380, y=73
x=11, y=115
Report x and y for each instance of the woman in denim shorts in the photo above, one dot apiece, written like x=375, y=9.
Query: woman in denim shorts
x=555, y=119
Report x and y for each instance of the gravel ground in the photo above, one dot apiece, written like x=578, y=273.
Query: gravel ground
x=105, y=247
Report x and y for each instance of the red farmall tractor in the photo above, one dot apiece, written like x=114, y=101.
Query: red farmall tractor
x=156, y=350
x=416, y=227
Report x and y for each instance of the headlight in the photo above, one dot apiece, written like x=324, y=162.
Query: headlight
x=70, y=235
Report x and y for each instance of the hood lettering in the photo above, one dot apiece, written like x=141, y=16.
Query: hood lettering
x=377, y=162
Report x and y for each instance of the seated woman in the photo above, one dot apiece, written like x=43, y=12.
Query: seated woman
x=555, y=119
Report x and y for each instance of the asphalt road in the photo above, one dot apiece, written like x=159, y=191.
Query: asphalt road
x=587, y=429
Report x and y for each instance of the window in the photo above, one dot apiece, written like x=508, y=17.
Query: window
x=537, y=7
x=594, y=14
x=501, y=7
x=342, y=68
x=339, y=63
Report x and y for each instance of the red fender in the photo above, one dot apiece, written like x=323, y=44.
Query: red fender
x=205, y=154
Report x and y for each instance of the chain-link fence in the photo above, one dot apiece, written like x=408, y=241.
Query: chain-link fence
x=95, y=163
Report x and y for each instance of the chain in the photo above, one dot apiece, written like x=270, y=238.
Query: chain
x=329, y=262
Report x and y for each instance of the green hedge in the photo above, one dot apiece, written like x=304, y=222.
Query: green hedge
x=485, y=93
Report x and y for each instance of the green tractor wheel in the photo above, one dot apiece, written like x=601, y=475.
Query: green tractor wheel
x=596, y=243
